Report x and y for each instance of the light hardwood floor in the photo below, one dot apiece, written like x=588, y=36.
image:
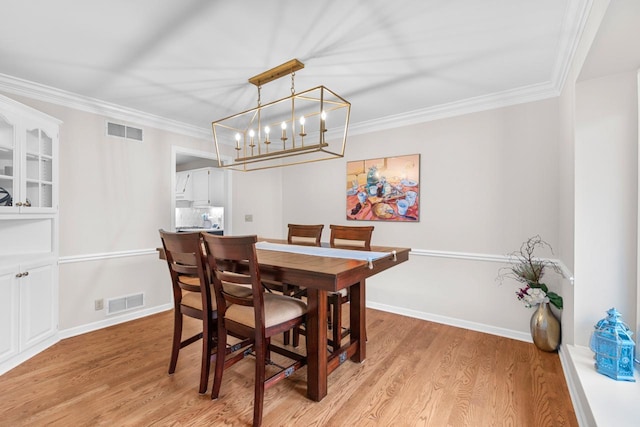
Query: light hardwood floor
x=417, y=373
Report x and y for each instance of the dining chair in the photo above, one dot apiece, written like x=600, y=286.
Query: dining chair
x=298, y=234
x=304, y=234
x=192, y=296
x=246, y=310
x=344, y=237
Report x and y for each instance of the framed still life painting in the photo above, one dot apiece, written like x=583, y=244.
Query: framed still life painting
x=385, y=189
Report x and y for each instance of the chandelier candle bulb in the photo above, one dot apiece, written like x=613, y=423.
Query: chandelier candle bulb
x=323, y=119
x=251, y=135
x=302, y=126
x=267, y=129
x=237, y=141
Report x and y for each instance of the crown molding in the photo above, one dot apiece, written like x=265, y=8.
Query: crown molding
x=492, y=101
x=40, y=92
x=572, y=29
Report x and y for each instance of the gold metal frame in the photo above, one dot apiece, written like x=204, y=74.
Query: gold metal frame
x=313, y=105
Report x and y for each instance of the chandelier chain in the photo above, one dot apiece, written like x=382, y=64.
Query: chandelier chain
x=293, y=89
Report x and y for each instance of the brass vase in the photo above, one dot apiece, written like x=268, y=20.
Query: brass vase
x=545, y=328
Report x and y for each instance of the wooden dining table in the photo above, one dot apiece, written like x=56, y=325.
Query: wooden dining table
x=320, y=275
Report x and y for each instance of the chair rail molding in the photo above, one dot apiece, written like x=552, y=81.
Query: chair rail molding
x=468, y=256
x=106, y=255
x=503, y=259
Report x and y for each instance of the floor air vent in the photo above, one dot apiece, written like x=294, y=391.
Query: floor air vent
x=117, y=305
x=123, y=131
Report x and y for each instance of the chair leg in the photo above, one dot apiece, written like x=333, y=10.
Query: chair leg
x=286, y=336
x=296, y=336
x=221, y=352
x=267, y=349
x=206, y=356
x=261, y=358
x=177, y=336
x=337, y=322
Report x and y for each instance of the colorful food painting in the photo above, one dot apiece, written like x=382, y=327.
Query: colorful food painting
x=386, y=189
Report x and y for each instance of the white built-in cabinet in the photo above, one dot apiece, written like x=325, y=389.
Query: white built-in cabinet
x=208, y=187
x=27, y=309
x=184, y=186
x=28, y=232
x=27, y=148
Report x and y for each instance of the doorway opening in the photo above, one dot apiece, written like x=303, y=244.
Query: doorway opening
x=184, y=159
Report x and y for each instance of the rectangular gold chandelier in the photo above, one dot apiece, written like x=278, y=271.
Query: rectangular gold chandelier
x=304, y=127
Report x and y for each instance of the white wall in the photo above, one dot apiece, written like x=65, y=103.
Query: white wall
x=488, y=182
x=566, y=183
x=606, y=200
x=566, y=206
x=258, y=194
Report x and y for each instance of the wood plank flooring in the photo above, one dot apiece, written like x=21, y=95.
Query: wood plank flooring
x=417, y=373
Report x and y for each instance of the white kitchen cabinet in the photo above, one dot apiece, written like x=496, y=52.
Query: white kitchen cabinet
x=28, y=309
x=184, y=185
x=28, y=159
x=208, y=187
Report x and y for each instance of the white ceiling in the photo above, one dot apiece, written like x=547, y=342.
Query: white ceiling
x=189, y=60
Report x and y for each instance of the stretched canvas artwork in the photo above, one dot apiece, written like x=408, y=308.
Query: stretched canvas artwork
x=386, y=189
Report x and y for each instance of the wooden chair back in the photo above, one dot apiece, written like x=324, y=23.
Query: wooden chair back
x=303, y=234
x=187, y=266
x=345, y=237
x=351, y=237
x=235, y=274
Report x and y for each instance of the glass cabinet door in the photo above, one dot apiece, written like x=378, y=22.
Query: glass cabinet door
x=39, y=169
x=8, y=164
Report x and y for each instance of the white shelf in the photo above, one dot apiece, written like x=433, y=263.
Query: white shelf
x=611, y=402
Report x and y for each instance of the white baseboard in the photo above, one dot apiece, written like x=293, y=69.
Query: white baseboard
x=479, y=327
x=71, y=332
x=27, y=354
x=114, y=320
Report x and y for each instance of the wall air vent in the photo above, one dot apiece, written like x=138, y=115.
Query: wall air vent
x=117, y=305
x=123, y=131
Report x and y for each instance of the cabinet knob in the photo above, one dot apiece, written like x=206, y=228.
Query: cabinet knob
x=18, y=203
x=27, y=203
x=19, y=275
